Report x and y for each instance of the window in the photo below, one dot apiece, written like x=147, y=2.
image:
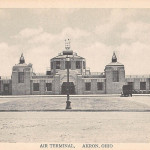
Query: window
x=78, y=66
x=48, y=86
x=131, y=84
x=142, y=85
x=35, y=86
x=6, y=87
x=67, y=63
x=83, y=64
x=51, y=65
x=20, y=77
x=57, y=64
x=88, y=86
x=115, y=76
x=99, y=85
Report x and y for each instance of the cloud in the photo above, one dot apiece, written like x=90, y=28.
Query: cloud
x=137, y=31
x=124, y=25
x=125, y=31
x=29, y=32
x=9, y=54
x=109, y=31
x=48, y=38
x=39, y=36
x=74, y=33
x=97, y=55
x=128, y=32
x=104, y=30
x=40, y=58
x=40, y=46
x=42, y=38
x=135, y=57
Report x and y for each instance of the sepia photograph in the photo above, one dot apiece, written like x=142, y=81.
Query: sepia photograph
x=75, y=75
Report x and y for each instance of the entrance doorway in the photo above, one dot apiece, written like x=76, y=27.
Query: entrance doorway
x=65, y=86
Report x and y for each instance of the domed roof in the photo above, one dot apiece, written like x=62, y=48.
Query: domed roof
x=62, y=56
x=67, y=52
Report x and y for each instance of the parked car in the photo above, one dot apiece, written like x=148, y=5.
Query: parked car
x=127, y=90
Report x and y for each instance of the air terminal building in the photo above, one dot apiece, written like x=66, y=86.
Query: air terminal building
x=24, y=81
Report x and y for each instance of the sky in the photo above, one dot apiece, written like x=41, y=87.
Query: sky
x=95, y=34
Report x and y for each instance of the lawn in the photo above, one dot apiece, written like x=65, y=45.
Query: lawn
x=136, y=103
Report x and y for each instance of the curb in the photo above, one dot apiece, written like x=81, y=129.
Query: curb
x=105, y=95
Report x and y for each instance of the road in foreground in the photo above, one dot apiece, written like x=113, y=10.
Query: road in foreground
x=75, y=127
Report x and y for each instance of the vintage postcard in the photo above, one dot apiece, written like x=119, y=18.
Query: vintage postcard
x=74, y=75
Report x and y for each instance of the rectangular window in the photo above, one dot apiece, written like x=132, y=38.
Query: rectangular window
x=20, y=77
x=115, y=76
x=131, y=84
x=57, y=64
x=78, y=66
x=35, y=86
x=48, y=86
x=142, y=85
x=88, y=86
x=67, y=64
x=99, y=85
x=6, y=87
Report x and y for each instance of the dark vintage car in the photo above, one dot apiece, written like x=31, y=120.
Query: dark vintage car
x=127, y=90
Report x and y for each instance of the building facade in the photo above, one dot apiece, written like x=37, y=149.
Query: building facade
x=24, y=81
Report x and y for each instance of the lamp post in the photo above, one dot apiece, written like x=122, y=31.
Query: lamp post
x=68, y=102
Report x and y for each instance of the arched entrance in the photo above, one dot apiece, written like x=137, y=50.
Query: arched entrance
x=65, y=86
